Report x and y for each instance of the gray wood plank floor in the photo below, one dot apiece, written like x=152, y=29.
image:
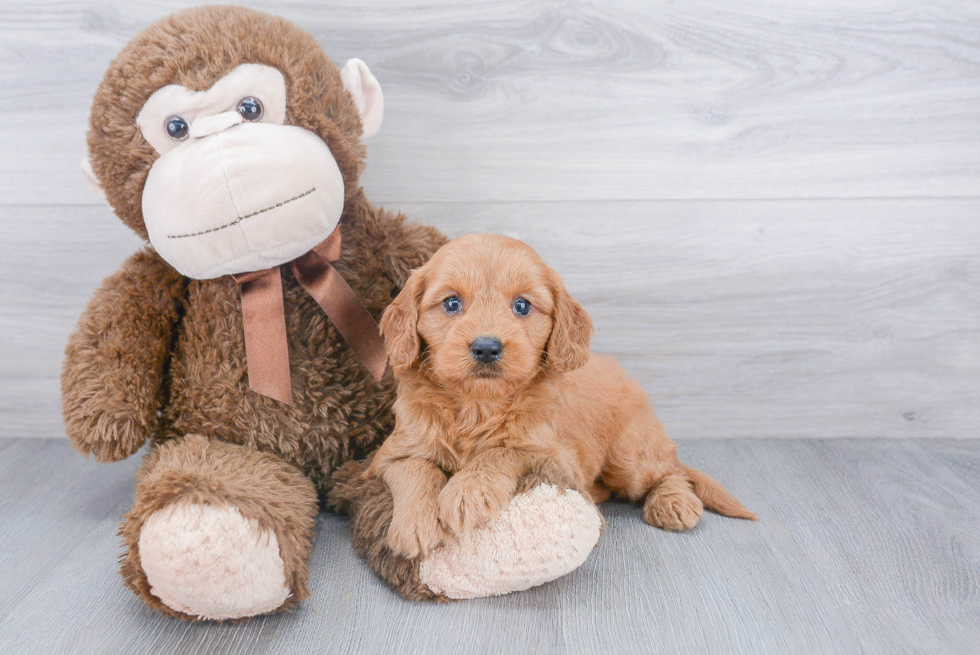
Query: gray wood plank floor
x=864, y=546
x=770, y=209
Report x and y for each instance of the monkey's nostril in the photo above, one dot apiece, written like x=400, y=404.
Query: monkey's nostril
x=486, y=350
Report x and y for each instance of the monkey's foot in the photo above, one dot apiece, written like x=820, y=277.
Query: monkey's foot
x=218, y=531
x=212, y=563
x=543, y=534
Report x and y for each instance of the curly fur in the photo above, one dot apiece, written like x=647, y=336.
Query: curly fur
x=369, y=504
x=207, y=472
x=157, y=356
x=467, y=430
x=195, y=48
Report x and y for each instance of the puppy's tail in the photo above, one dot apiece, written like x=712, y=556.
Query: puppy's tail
x=715, y=497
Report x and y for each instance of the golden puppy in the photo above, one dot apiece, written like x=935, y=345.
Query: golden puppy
x=496, y=381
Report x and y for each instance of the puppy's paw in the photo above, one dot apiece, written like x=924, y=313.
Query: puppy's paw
x=672, y=505
x=467, y=502
x=415, y=533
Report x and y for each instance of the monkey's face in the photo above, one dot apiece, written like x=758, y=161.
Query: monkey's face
x=226, y=137
x=235, y=189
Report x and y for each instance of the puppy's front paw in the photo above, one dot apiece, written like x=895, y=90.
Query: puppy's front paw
x=467, y=502
x=415, y=533
x=672, y=505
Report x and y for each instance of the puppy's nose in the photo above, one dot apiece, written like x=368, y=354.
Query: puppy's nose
x=486, y=350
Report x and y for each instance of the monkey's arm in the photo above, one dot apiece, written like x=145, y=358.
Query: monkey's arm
x=112, y=381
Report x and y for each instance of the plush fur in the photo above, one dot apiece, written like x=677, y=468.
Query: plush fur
x=260, y=486
x=370, y=502
x=470, y=566
x=211, y=562
x=158, y=358
x=468, y=430
x=549, y=529
x=195, y=48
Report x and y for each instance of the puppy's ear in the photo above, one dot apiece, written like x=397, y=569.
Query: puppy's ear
x=399, y=324
x=571, y=331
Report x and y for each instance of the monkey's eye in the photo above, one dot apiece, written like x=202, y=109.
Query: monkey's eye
x=250, y=108
x=177, y=128
x=452, y=305
x=522, y=306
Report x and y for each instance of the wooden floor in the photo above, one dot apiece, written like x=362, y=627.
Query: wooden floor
x=866, y=546
x=770, y=209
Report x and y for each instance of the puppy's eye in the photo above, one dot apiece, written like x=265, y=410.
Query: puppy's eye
x=522, y=306
x=250, y=108
x=177, y=128
x=452, y=305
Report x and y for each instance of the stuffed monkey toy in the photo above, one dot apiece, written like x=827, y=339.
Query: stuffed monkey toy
x=240, y=345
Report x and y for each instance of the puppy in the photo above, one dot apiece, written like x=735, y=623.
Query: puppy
x=496, y=382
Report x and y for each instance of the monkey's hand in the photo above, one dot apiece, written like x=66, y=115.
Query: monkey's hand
x=112, y=378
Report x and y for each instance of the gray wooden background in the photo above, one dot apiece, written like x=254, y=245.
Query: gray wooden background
x=771, y=209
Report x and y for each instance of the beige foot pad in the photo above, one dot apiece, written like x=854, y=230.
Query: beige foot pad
x=211, y=562
x=542, y=535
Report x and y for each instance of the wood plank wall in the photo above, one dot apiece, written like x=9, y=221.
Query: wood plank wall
x=771, y=209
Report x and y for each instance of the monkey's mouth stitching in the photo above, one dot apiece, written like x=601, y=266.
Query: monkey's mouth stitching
x=242, y=218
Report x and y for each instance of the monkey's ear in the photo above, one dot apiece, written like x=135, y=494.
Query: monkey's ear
x=93, y=182
x=364, y=86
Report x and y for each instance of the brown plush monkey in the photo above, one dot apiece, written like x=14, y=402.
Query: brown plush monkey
x=227, y=139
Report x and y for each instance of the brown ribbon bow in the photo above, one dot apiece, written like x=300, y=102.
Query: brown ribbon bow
x=264, y=318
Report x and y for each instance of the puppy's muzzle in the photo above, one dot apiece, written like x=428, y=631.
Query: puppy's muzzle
x=486, y=350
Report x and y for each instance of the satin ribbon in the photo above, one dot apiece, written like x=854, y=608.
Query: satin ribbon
x=264, y=318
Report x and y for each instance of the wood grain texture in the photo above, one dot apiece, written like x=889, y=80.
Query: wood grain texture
x=747, y=319
x=863, y=546
x=555, y=100
x=770, y=209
